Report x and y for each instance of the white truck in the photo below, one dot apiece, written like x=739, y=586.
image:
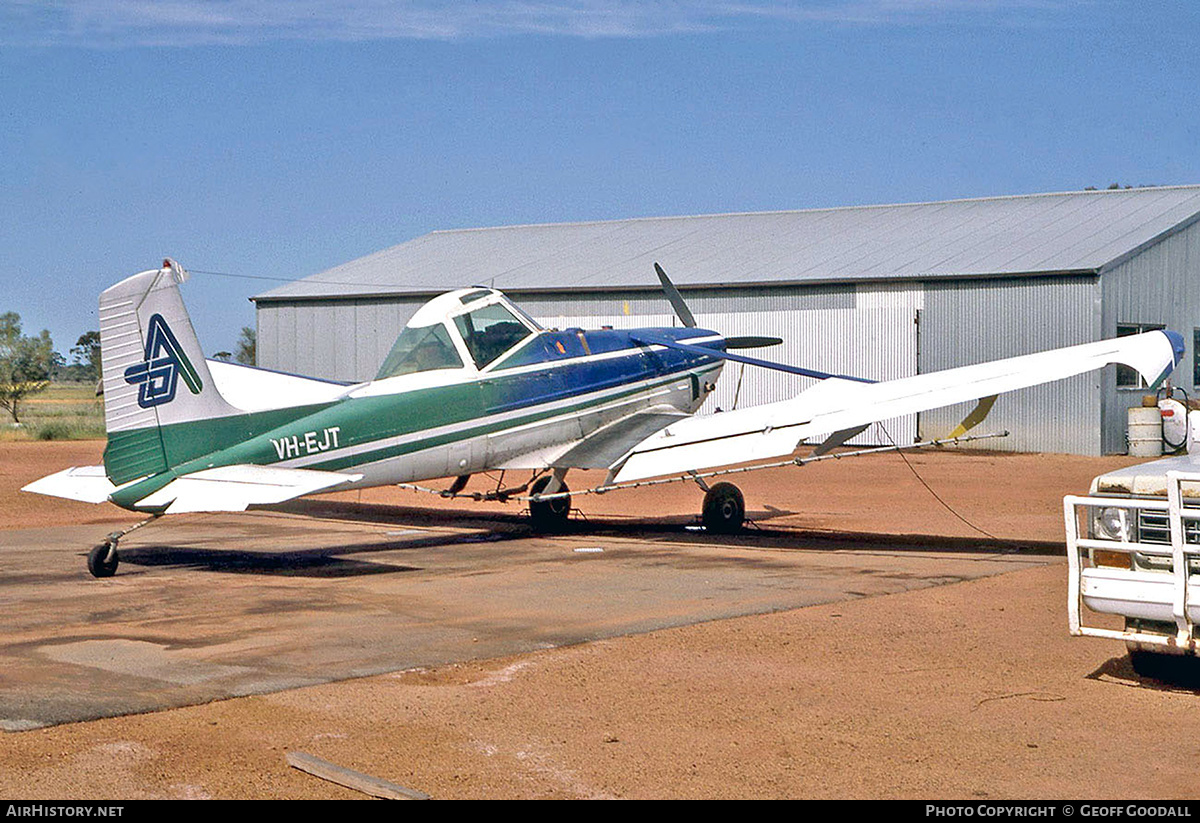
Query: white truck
x=1133, y=550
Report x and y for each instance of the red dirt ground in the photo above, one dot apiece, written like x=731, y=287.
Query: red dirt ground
x=969, y=690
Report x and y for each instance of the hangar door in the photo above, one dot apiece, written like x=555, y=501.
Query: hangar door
x=876, y=343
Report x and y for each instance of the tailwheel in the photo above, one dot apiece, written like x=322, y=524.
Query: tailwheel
x=724, y=509
x=549, y=515
x=102, y=560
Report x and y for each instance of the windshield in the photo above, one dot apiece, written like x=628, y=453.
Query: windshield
x=490, y=331
x=424, y=348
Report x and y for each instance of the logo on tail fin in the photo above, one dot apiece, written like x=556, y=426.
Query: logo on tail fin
x=158, y=375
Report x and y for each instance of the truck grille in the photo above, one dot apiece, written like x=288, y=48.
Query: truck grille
x=1154, y=528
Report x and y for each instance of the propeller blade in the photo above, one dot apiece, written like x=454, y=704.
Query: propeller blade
x=751, y=342
x=676, y=299
x=658, y=340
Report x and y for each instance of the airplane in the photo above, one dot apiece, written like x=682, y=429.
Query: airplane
x=474, y=384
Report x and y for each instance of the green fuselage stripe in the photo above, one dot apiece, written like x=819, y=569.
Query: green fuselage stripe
x=203, y=444
x=399, y=449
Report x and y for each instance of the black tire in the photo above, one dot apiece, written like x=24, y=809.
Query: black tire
x=99, y=564
x=1177, y=669
x=724, y=509
x=549, y=515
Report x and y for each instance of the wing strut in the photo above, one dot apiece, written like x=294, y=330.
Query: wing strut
x=976, y=415
x=699, y=477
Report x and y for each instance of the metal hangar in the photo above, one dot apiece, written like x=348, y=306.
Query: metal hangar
x=878, y=291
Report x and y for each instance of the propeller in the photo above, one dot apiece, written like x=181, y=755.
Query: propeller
x=648, y=339
x=685, y=316
x=745, y=342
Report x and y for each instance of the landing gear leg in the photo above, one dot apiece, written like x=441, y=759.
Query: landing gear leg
x=102, y=560
x=550, y=515
x=724, y=509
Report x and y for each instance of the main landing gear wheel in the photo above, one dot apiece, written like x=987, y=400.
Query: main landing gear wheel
x=102, y=560
x=724, y=509
x=549, y=515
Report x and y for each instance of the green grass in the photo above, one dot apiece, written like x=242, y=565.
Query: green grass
x=64, y=411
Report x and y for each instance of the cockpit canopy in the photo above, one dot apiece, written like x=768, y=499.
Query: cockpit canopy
x=420, y=348
x=474, y=326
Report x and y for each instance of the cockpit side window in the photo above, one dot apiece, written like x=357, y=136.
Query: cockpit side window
x=490, y=331
x=423, y=348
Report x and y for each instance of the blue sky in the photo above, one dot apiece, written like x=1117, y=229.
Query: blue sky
x=277, y=138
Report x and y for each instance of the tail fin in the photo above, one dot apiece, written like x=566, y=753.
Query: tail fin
x=154, y=376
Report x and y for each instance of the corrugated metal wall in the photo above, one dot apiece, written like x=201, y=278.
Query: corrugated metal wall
x=961, y=322
x=700, y=301
x=1158, y=286
x=335, y=340
x=972, y=321
x=348, y=339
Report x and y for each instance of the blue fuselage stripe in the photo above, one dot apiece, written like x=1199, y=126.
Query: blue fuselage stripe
x=585, y=375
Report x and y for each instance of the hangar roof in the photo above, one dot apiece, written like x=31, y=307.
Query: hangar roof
x=1061, y=233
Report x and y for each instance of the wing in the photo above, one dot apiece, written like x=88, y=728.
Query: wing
x=233, y=488
x=835, y=406
x=603, y=447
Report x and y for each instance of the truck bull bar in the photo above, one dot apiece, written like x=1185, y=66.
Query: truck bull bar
x=1158, y=596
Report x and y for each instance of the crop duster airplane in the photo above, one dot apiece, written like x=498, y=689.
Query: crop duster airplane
x=475, y=384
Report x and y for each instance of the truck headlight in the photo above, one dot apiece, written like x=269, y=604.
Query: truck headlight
x=1113, y=523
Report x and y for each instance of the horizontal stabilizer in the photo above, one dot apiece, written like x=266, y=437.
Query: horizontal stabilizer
x=88, y=484
x=233, y=488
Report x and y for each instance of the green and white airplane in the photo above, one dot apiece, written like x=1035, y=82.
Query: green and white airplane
x=474, y=384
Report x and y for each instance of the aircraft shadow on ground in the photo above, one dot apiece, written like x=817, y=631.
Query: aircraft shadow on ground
x=322, y=562
x=673, y=528
x=333, y=562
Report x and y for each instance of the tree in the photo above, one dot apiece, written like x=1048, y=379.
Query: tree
x=26, y=363
x=247, y=347
x=86, y=353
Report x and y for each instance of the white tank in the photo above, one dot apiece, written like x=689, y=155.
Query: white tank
x=1145, y=431
x=1174, y=423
